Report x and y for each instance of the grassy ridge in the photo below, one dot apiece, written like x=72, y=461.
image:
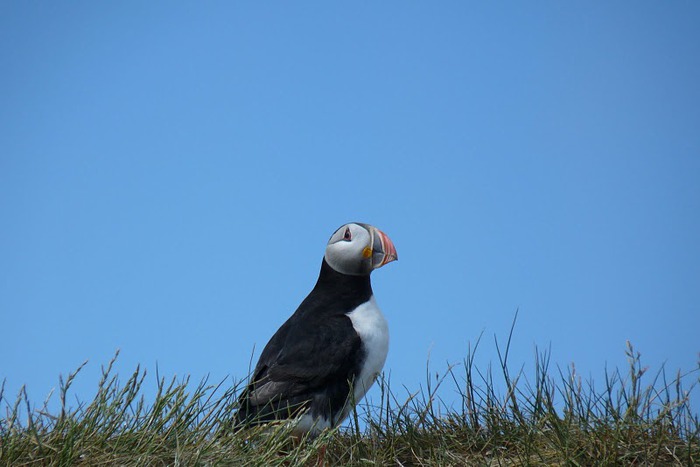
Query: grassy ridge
x=551, y=418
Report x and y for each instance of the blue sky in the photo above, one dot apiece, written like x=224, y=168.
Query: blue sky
x=171, y=171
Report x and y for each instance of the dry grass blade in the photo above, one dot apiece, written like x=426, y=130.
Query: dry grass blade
x=541, y=419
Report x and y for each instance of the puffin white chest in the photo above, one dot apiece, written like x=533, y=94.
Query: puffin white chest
x=371, y=326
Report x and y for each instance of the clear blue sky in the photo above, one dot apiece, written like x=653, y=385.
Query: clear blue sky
x=170, y=173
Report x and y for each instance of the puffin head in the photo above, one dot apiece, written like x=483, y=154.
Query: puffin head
x=358, y=249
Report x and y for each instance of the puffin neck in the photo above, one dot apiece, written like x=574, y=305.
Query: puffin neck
x=331, y=279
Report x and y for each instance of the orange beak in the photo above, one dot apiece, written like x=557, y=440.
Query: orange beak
x=383, y=250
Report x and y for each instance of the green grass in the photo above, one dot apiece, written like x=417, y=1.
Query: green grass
x=546, y=417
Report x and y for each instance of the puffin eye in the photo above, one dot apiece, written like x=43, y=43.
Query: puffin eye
x=348, y=236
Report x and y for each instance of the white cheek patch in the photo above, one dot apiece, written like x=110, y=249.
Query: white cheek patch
x=346, y=256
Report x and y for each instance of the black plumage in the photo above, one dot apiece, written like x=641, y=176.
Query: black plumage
x=312, y=360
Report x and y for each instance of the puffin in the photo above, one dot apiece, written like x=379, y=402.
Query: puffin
x=322, y=361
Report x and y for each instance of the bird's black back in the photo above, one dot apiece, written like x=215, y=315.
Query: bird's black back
x=313, y=358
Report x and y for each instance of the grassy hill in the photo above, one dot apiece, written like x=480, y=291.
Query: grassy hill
x=551, y=418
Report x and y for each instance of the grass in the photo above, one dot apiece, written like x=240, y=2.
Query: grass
x=552, y=417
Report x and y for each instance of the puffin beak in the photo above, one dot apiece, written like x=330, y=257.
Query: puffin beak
x=383, y=250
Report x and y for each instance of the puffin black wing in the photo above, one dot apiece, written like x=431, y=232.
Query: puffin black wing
x=309, y=364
